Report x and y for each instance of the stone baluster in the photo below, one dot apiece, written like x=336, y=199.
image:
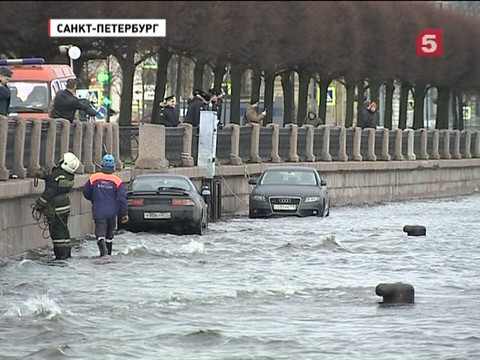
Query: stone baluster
x=410, y=144
x=275, y=158
x=88, y=132
x=292, y=152
x=19, y=150
x=357, y=142
x=371, y=156
x=445, y=135
x=309, y=155
x=235, y=159
x=51, y=144
x=399, y=144
x=456, y=144
x=254, y=143
x=326, y=156
x=35, y=146
x=187, y=158
x=435, y=141
x=466, y=150
x=423, y=153
x=77, y=129
x=385, y=156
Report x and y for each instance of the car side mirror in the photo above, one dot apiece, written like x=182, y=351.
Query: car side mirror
x=323, y=183
x=206, y=191
x=252, y=181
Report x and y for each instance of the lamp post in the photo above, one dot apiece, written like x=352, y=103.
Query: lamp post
x=72, y=51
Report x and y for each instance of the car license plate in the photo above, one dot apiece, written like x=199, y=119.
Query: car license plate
x=157, y=215
x=284, y=207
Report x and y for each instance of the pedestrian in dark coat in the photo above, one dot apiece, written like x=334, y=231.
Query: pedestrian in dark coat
x=170, y=114
x=5, y=94
x=66, y=102
x=368, y=116
x=199, y=102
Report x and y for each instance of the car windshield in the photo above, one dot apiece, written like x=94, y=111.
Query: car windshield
x=153, y=184
x=281, y=177
x=28, y=96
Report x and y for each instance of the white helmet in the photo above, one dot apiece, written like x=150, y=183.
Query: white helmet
x=70, y=162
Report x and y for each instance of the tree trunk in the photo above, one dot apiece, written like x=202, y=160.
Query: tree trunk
x=288, y=100
x=256, y=84
x=402, y=117
x=178, y=87
x=442, y=107
x=360, y=98
x=268, y=98
x=127, y=64
x=375, y=91
x=461, y=122
x=388, y=115
x=198, y=72
x=418, y=106
x=236, y=73
x=303, y=83
x=163, y=58
x=350, y=89
x=218, y=75
x=322, y=110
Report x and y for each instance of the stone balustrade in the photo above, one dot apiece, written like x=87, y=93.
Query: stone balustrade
x=27, y=145
x=274, y=144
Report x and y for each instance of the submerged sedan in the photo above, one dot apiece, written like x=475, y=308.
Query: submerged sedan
x=166, y=202
x=289, y=191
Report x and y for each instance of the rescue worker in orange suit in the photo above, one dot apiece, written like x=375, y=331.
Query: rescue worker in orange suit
x=54, y=202
x=108, y=195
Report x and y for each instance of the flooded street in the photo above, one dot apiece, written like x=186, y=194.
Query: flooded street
x=291, y=288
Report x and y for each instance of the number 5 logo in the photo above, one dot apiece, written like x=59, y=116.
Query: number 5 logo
x=430, y=43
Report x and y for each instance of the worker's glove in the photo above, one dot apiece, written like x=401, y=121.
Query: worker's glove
x=40, y=204
x=40, y=173
x=124, y=219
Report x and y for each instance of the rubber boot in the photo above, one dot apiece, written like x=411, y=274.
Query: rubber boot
x=61, y=252
x=102, y=247
x=109, y=247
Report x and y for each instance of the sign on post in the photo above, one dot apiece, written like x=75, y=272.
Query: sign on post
x=467, y=112
x=331, y=96
x=207, y=142
x=102, y=112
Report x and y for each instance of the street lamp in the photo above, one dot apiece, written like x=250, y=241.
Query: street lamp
x=73, y=52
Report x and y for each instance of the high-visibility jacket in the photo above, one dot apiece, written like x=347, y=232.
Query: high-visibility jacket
x=108, y=195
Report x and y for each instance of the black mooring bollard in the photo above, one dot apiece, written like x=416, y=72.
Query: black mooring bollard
x=415, y=230
x=397, y=293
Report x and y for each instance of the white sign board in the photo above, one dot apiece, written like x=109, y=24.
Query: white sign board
x=207, y=142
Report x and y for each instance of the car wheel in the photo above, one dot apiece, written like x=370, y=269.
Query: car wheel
x=326, y=209
x=205, y=224
x=198, y=228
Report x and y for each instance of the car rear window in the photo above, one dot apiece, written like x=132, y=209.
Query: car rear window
x=155, y=183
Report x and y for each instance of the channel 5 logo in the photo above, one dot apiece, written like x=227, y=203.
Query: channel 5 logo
x=430, y=43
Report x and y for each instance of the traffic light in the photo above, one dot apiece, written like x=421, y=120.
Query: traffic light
x=107, y=101
x=104, y=77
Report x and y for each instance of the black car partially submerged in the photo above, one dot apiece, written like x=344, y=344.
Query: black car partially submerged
x=289, y=191
x=166, y=202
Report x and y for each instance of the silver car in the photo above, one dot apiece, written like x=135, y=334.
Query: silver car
x=289, y=191
x=167, y=202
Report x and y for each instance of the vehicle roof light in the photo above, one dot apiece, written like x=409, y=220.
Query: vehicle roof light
x=28, y=61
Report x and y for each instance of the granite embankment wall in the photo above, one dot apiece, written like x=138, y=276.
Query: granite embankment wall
x=349, y=183
x=360, y=166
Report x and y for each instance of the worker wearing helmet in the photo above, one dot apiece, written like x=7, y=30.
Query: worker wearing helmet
x=54, y=202
x=108, y=195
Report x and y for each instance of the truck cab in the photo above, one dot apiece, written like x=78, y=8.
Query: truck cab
x=33, y=86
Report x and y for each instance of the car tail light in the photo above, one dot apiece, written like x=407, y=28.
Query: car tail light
x=135, y=202
x=182, y=202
